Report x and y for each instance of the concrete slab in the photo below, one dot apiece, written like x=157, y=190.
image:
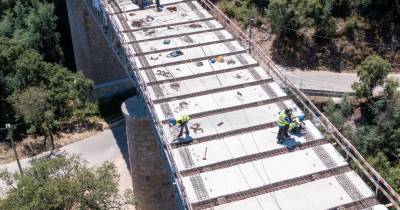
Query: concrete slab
x=220, y=123
x=234, y=147
x=185, y=41
x=263, y=172
x=189, y=54
x=211, y=82
x=191, y=69
x=214, y=101
x=321, y=194
x=181, y=7
x=179, y=30
x=170, y=19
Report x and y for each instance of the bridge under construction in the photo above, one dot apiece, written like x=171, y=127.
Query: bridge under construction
x=190, y=59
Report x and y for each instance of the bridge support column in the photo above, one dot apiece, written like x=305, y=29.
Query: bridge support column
x=93, y=56
x=151, y=185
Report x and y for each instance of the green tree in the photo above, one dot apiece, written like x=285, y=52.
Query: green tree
x=281, y=14
x=34, y=23
x=319, y=15
x=371, y=73
x=63, y=183
x=391, y=173
x=346, y=106
x=32, y=106
x=334, y=114
x=40, y=32
x=68, y=92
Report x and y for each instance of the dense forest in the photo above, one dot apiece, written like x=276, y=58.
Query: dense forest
x=36, y=90
x=324, y=34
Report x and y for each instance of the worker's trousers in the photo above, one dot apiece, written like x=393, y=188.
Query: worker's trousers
x=283, y=132
x=183, y=126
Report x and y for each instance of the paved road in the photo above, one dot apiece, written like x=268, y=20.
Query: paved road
x=324, y=80
x=109, y=145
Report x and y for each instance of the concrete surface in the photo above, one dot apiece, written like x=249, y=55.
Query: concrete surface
x=325, y=80
x=224, y=126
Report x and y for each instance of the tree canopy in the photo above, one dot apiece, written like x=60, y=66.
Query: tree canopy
x=371, y=73
x=32, y=22
x=23, y=68
x=375, y=132
x=63, y=183
x=31, y=67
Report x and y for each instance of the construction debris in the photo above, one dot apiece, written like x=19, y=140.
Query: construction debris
x=187, y=39
x=175, y=86
x=183, y=104
x=231, y=61
x=205, y=154
x=137, y=23
x=196, y=128
x=237, y=76
x=199, y=63
x=220, y=59
x=149, y=18
x=195, y=25
x=153, y=58
x=150, y=32
x=164, y=73
x=175, y=54
x=172, y=9
x=167, y=41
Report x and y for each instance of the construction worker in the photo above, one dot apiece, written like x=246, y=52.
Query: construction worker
x=182, y=121
x=297, y=124
x=284, y=121
x=158, y=5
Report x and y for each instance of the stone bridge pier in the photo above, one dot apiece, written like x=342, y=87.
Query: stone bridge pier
x=93, y=56
x=151, y=185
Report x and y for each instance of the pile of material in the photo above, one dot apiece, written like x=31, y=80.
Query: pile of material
x=172, y=9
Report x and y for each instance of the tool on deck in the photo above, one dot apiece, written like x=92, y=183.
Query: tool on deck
x=205, y=154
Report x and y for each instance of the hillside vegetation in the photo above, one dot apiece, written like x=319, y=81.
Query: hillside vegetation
x=325, y=34
x=371, y=121
x=36, y=91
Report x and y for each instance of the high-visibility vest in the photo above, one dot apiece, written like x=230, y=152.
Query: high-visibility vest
x=183, y=119
x=283, y=119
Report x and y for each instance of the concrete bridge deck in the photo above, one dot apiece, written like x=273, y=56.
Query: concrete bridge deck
x=234, y=161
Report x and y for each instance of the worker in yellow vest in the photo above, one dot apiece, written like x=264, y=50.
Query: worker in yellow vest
x=283, y=122
x=182, y=121
x=158, y=5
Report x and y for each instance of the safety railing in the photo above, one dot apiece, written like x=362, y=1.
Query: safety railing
x=116, y=39
x=317, y=116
